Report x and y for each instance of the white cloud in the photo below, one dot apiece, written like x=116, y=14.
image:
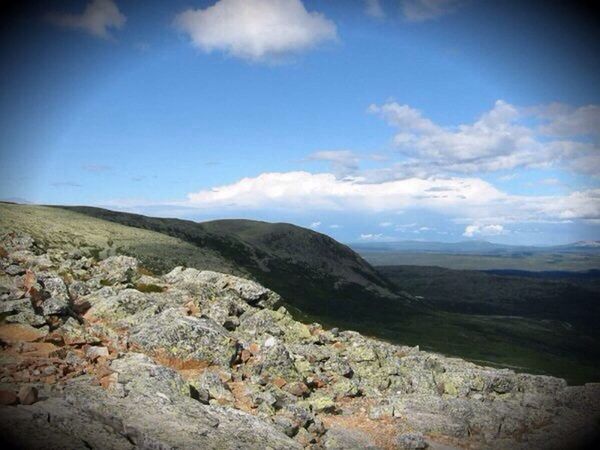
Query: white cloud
x=422, y=10
x=498, y=140
x=484, y=230
x=371, y=237
x=343, y=162
x=563, y=120
x=315, y=225
x=385, y=224
x=334, y=226
x=98, y=17
x=324, y=190
x=373, y=8
x=453, y=197
x=256, y=29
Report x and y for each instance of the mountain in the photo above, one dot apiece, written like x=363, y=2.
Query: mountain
x=310, y=270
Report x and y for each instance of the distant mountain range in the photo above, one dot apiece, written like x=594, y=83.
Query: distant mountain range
x=474, y=247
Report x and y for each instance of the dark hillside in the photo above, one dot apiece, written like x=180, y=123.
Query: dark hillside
x=311, y=271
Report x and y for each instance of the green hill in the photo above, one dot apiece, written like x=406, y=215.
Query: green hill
x=313, y=273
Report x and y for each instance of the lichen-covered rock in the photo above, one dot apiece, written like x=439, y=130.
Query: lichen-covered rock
x=276, y=361
x=55, y=306
x=56, y=288
x=117, y=269
x=21, y=311
x=412, y=441
x=126, y=307
x=184, y=337
x=249, y=291
x=210, y=386
x=152, y=409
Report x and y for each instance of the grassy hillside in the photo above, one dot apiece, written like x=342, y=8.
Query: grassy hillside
x=66, y=229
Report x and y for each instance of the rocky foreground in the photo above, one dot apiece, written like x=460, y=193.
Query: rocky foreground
x=102, y=354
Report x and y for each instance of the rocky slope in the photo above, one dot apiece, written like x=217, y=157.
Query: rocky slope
x=101, y=354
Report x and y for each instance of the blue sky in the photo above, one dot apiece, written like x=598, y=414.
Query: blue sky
x=391, y=120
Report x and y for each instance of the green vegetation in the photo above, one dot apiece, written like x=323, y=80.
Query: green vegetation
x=148, y=288
x=571, y=298
x=55, y=227
x=517, y=261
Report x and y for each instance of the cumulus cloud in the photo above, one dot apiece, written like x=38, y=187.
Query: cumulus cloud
x=256, y=29
x=483, y=230
x=373, y=8
x=422, y=10
x=315, y=225
x=97, y=18
x=499, y=139
x=472, y=197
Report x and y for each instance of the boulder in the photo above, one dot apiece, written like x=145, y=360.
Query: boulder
x=176, y=335
x=249, y=291
x=8, y=397
x=117, y=269
x=28, y=395
x=412, y=441
x=339, y=438
x=210, y=386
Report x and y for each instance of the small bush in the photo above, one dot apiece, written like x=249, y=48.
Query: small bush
x=145, y=271
x=148, y=288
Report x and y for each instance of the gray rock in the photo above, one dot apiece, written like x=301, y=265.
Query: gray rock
x=338, y=438
x=118, y=269
x=14, y=270
x=78, y=289
x=55, y=306
x=286, y=424
x=249, y=291
x=210, y=387
x=185, y=337
x=157, y=412
x=56, y=288
x=21, y=311
x=412, y=441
